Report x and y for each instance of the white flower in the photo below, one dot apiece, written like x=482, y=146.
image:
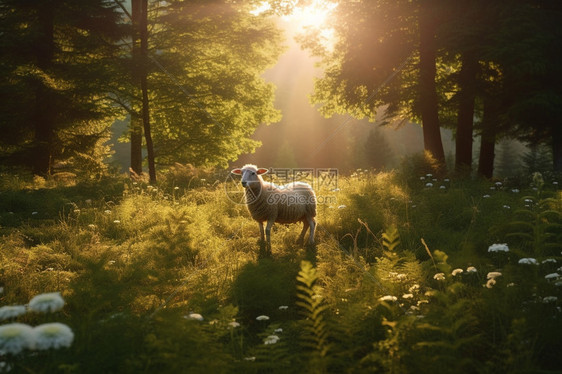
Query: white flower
x=342, y=206
x=490, y=283
x=279, y=330
x=92, y=226
x=457, y=272
x=422, y=178
x=551, y=260
x=283, y=307
x=429, y=175
x=414, y=288
x=528, y=200
x=34, y=213
x=498, y=184
x=250, y=358
x=107, y=211
x=407, y=296
x=528, y=261
x=176, y=188
x=401, y=276
x=471, y=269
x=498, y=248
x=47, y=302
x=15, y=337
x=439, y=276
x=116, y=221
x=388, y=298
x=442, y=187
x=515, y=190
x=429, y=184
x=486, y=196
x=506, y=207
x=552, y=276
x=195, y=316
x=271, y=339
x=53, y=335
x=11, y=311
x=233, y=324
x=555, y=183
x=493, y=275
x=549, y=299
x=262, y=318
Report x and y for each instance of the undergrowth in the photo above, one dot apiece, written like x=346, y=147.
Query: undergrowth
x=409, y=274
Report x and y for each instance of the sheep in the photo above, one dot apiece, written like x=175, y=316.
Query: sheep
x=270, y=203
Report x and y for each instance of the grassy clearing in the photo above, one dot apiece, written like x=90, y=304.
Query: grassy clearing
x=138, y=264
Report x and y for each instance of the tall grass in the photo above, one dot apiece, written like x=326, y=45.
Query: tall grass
x=398, y=281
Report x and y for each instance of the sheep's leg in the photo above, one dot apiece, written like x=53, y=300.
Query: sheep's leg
x=305, y=226
x=312, y=224
x=268, y=231
x=261, y=232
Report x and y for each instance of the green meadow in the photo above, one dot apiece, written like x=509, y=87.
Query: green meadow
x=410, y=273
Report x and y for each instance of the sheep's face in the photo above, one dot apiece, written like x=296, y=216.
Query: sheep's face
x=250, y=175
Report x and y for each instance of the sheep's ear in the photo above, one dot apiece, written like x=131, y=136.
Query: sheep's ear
x=236, y=171
x=262, y=171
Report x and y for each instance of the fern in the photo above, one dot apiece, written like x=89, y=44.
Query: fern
x=391, y=239
x=312, y=309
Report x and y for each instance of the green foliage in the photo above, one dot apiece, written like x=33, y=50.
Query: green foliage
x=315, y=335
x=139, y=266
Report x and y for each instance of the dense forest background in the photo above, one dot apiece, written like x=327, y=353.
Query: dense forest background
x=188, y=82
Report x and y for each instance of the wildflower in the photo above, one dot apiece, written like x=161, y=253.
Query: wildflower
x=498, y=248
x=429, y=184
x=486, y=196
x=53, y=335
x=492, y=188
x=407, y=296
x=92, y=226
x=401, y=276
x=279, y=330
x=422, y=178
x=493, y=275
x=262, y=318
x=471, y=269
x=34, y=213
x=88, y=201
x=555, y=183
x=552, y=276
x=549, y=299
x=456, y=272
x=442, y=187
x=107, y=211
x=250, y=358
x=506, y=207
x=429, y=175
x=490, y=283
x=549, y=260
x=528, y=261
x=116, y=221
x=515, y=190
x=388, y=298
x=283, y=307
x=439, y=276
x=11, y=311
x=176, y=188
x=499, y=184
x=47, y=302
x=528, y=200
x=271, y=339
x=342, y=206
x=15, y=337
x=233, y=324
x=195, y=316
x=415, y=287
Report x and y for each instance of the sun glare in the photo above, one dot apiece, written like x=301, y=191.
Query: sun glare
x=313, y=15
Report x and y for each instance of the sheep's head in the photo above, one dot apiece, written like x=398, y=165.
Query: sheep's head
x=250, y=175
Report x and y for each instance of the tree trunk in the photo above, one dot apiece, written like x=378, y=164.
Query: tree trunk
x=43, y=115
x=428, y=91
x=136, y=121
x=144, y=89
x=465, y=116
x=487, y=141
